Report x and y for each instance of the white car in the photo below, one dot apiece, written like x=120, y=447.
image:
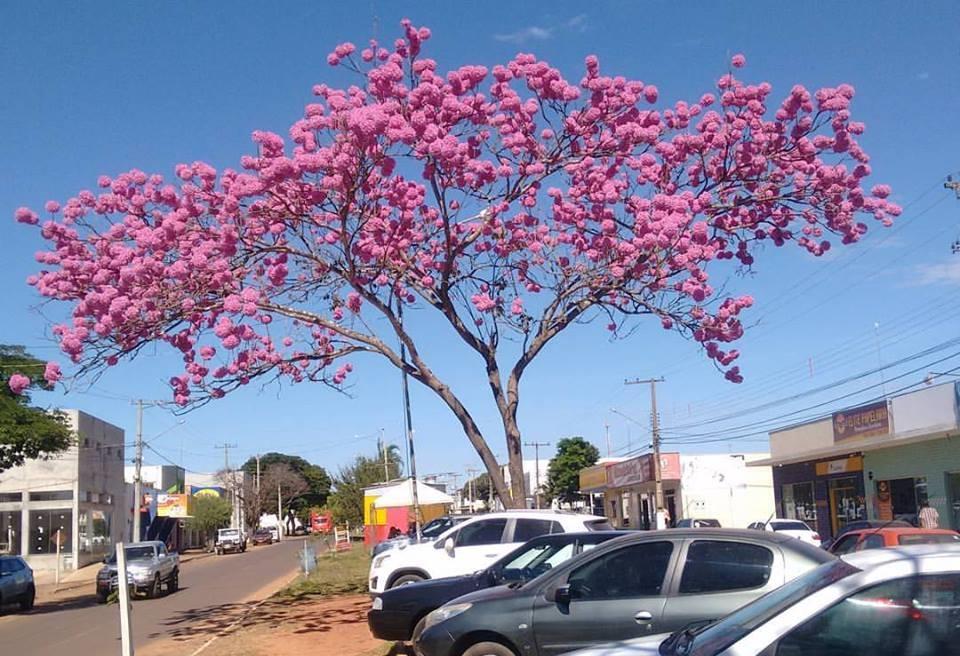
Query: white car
x=881, y=602
x=792, y=527
x=472, y=545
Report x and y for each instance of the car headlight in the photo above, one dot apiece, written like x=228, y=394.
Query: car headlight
x=444, y=613
x=379, y=561
x=377, y=603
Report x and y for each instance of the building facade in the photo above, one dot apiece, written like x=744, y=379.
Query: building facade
x=76, y=499
x=882, y=460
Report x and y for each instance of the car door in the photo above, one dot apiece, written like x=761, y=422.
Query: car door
x=615, y=595
x=717, y=577
x=15, y=577
x=476, y=545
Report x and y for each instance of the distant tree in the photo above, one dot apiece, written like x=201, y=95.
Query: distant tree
x=316, y=477
x=209, y=514
x=27, y=431
x=480, y=488
x=346, y=501
x=563, y=473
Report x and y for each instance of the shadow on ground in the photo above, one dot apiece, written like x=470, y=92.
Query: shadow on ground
x=296, y=616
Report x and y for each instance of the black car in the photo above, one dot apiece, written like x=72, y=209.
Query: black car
x=638, y=585
x=398, y=613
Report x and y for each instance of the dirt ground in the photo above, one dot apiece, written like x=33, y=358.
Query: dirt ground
x=322, y=626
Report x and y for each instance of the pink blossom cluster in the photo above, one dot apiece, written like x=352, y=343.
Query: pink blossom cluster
x=18, y=383
x=506, y=197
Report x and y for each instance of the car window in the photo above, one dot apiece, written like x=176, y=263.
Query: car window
x=527, y=529
x=846, y=544
x=634, y=571
x=716, y=565
x=485, y=531
x=873, y=542
x=927, y=538
x=789, y=526
x=909, y=616
x=598, y=525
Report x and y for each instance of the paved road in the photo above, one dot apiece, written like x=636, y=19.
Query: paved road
x=214, y=593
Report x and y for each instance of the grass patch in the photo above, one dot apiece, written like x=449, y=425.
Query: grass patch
x=336, y=574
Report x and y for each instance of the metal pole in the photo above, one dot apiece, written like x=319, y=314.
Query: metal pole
x=126, y=628
x=386, y=468
x=655, y=429
x=606, y=430
x=408, y=422
x=536, y=467
x=137, y=481
x=58, y=536
x=279, y=515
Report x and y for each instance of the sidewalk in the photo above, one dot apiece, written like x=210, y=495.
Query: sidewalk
x=78, y=583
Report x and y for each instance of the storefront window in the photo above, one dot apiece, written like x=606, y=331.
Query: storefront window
x=900, y=498
x=93, y=527
x=847, y=502
x=10, y=532
x=798, y=502
x=44, y=525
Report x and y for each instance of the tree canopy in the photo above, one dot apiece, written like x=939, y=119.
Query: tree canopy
x=316, y=477
x=210, y=513
x=508, y=203
x=563, y=472
x=346, y=501
x=28, y=431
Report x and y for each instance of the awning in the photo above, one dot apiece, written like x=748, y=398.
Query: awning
x=860, y=446
x=401, y=495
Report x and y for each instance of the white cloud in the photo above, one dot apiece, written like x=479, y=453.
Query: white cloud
x=947, y=273
x=577, y=23
x=925, y=75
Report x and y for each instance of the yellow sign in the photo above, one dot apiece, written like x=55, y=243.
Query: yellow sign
x=174, y=505
x=851, y=464
x=593, y=479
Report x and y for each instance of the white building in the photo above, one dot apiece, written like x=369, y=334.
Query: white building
x=76, y=498
x=165, y=478
x=534, y=478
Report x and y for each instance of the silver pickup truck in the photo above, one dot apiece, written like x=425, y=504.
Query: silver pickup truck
x=149, y=566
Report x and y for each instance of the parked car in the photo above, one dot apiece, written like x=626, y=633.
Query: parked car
x=698, y=523
x=274, y=532
x=428, y=532
x=16, y=583
x=792, y=527
x=261, y=536
x=881, y=602
x=230, y=540
x=641, y=584
x=473, y=545
x=859, y=524
x=149, y=566
x=879, y=538
x=399, y=614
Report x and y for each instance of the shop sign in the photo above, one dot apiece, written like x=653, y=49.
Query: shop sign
x=207, y=491
x=884, y=502
x=865, y=421
x=640, y=470
x=593, y=479
x=851, y=464
x=173, y=505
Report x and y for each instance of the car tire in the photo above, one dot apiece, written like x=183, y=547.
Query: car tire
x=407, y=579
x=173, y=583
x=102, y=596
x=26, y=601
x=488, y=649
x=154, y=589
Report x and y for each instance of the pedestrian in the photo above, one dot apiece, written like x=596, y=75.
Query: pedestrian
x=929, y=517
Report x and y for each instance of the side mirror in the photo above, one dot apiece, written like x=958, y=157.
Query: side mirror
x=448, y=546
x=562, y=595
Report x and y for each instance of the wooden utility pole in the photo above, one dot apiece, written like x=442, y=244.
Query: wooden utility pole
x=137, y=466
x=536, y=467
x=655, y=429
x=232, y=478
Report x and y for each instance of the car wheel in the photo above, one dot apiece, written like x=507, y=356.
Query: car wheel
x=154, y=589
x=488, y=649
x=173, y=583
x=26, y=601
x=407, y=579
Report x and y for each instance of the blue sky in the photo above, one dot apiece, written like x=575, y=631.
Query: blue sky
x=92, y=88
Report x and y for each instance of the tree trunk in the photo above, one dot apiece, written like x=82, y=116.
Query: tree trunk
x=515, y=459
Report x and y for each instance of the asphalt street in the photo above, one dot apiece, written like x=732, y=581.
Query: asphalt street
x=214, y=593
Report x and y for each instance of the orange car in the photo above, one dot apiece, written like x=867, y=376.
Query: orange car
x=891, y=536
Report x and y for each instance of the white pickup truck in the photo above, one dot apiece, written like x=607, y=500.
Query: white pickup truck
x=149, y=566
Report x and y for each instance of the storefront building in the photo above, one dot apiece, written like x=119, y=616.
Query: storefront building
x=882, y=461
x=708, y=486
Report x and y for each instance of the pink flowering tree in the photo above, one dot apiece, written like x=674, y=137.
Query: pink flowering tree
x=509, y=202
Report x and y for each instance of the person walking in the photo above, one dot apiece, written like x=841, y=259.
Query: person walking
x=929, y=517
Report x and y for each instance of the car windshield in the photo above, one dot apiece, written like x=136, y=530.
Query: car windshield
x=232, y=533
x=789, y=526
x=436, y=527
x=718, y=636
x=531, y=562
x=133, y=553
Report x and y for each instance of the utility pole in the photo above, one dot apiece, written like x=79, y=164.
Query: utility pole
x=471, y=490
x=138, y=466
x=279, y=515
x=386, y=468
x=606, y=430
x=955, y=186
x=232, y=478
x=655, y=426
x=536, y=465
x=408, y=425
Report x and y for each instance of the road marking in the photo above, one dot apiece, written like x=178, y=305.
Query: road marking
x=240, y=619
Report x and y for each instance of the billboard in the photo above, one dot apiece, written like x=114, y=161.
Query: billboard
x=640, y=470
x=174, y=505
x=864, y=421
x=593, y=479
x=207, y=491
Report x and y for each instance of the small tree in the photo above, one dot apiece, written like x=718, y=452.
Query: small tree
x=507, y=203
x=27, y=431
x=346, y=501
x=563, y=472
x=210, y=513
x=480, y=488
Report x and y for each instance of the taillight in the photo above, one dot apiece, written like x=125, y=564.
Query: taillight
x=816, y=536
